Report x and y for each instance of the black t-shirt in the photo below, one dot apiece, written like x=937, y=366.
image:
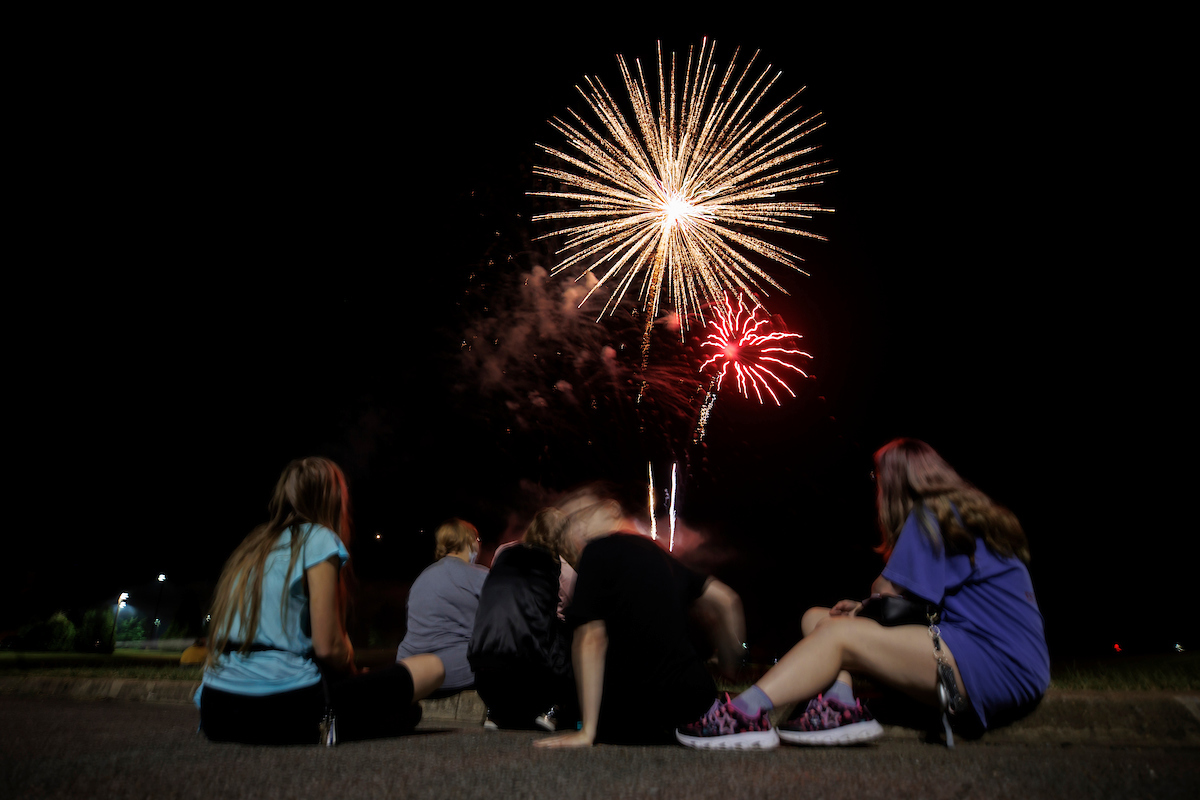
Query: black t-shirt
x=642, y=593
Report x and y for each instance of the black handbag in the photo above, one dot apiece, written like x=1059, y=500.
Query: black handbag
x=890, y=610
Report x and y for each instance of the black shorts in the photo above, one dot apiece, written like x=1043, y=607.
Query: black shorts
x=676, y=703
x=366, y=706
x=517, y=693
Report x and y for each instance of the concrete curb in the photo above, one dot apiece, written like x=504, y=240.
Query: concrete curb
x=102, y=688
x=465, y=707
x=1160, y=719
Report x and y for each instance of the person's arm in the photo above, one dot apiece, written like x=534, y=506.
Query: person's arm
x=331, y=645
x=885, y=587
x=720, y=609
x=588, y=651
x=850, y=608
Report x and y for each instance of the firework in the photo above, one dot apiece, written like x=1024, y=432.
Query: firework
x=675, y=200
x=652, y=503
x=671, y=512
x=742, y=340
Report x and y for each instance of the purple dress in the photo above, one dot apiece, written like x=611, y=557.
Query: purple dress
x=990, y=617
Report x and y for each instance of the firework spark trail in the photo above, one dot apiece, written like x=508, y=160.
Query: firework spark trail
x=701, y=428
x=748, y=343
x=653, y=504
x=653, y=527
x=674, y=470
x=670, y=198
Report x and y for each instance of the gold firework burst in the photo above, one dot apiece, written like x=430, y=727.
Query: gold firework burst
x=676, y=199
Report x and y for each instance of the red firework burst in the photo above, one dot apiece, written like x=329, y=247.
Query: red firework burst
x=748, y=343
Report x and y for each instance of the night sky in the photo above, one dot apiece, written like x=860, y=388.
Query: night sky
x=251, y=243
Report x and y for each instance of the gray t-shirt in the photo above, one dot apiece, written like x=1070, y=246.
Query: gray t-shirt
x=441, y=616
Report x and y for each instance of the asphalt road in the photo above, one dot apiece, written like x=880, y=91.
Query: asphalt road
x=53, y=747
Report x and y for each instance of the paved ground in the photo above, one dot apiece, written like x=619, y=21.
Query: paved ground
x=63, y=747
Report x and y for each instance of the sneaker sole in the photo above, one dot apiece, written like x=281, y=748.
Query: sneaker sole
x=546, y=723
x=751, y=740
x=858, y=733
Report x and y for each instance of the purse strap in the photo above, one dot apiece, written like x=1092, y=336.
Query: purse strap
x=949, y=697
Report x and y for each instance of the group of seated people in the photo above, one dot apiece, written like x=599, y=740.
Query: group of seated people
x=584, y=627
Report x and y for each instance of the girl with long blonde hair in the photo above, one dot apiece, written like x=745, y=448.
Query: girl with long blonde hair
x=279, y=659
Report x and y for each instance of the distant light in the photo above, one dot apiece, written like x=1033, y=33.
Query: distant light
x=1178, y=648
x=377, y=536
x=124, y=596
x=162, y=577
x=1117, y=647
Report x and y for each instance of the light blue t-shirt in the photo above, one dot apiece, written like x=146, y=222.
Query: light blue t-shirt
x=990, y=617
x=273, y=671
x=441, y=616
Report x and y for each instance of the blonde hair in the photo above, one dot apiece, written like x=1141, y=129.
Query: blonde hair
x=310, y=490
x=454, y=535
x=582, y=507
x=546, y=530
x=910, y=475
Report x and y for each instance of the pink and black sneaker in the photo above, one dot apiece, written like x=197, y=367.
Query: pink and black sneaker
x=724, y=727
x=826, y=721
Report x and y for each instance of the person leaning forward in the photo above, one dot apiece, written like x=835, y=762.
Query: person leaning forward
x=630, y=617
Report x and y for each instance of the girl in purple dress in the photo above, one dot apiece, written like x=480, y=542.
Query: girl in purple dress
x=946, y=545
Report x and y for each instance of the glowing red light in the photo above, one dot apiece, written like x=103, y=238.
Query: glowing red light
x=744, y=341
x=1117, y=647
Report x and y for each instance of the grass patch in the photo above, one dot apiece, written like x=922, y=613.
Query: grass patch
x=138, y=672
x=152, y=665
x=148, y=665
x=1175, y=672
x=15, y=659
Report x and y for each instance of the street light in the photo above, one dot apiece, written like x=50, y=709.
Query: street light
x=161, y=578
x=121, y=598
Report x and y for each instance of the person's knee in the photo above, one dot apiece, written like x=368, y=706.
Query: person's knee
x=427, y=672
x=837, y=634
x=812, y=619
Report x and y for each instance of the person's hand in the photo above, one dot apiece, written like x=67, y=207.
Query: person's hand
x=569, y=739
x=845, y=608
